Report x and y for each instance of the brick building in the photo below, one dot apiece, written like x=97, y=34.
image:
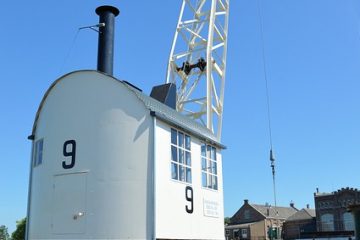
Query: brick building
x=300, y=224
x=331, y=209
x=254, y=221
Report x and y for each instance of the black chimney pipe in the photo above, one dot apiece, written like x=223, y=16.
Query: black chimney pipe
x=107, y=16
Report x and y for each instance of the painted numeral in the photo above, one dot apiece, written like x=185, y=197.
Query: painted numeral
x=69, y=150
x=189, y=196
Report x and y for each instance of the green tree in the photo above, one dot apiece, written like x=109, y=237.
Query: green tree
x=227, y=220
x=4, y=235
x=19, y=233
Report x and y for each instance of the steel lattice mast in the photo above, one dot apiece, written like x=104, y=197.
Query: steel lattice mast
x=197, y=61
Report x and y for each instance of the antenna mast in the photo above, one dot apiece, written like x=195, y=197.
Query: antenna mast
x=197, y=61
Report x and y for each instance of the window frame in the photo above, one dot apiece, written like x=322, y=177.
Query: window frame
x=180, y=156
x=38, y=152
x=209, y=167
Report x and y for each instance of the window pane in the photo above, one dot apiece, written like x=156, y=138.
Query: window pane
x=214, y=182
x=208, y=150
x=214, y=167
x=174, y=153
x=182, y=173
x=208, y=167
x=204, y=179
x=174, y=171
x=188, y=158
x=187, y=142
x=188, y=175
x=173, y=136
x=40, y=153
x=209, y=181
x=203, y=164
x=213, y=153
x=181, y=139
x=181, y=156
x=203, y=150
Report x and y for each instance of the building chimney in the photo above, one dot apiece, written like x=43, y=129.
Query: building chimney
x=307, y=206
x=292, y=204
x=107, y=16
x=246, y=201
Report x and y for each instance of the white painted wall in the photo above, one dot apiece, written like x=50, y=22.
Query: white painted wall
x=109, y=182
x=109, y=192
x=172, y=220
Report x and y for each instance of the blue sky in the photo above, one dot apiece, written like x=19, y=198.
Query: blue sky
x=312, y=51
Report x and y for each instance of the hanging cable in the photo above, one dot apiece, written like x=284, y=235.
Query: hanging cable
x=69, y=51
x=272, y=158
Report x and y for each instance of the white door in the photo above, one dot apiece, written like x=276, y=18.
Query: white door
x=69, y=213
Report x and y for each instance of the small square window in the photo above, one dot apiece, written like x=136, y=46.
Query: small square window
x=203, y=150
x=188, y=158
x=174, y=153
x=181, y=156
x=204, y=179
x=182, y=173
x=203, y=164
x=173, y=136
x=181, y=139
x=174, y=171
x=187, y=142
x=188, y=175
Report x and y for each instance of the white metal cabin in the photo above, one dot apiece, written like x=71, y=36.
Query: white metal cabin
x=109, y=162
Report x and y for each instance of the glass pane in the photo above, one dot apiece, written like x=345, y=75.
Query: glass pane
x=208, y=167
x=181, y=139
x=40, y=151
x=203, y=150
x=208, y=151
x=174, y=153
x=204, y=178
x=187, y=142
x=173, y=136
x=203, y=164
x=214, y=182
x=213, y=153
x=214, y=167
x=188, y=158
x=209, y=181
x=182, y=173
x=181, y=156
x=174, y=171
x=188, y=175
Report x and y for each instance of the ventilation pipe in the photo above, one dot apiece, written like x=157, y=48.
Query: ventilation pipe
x=107, y=16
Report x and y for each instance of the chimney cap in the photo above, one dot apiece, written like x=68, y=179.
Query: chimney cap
x=104, y=8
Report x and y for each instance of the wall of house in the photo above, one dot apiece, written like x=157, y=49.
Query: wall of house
x=295, y=229
x=173, y=197
x=334, y=208
x=246, y=214
x=258, y=231
x=94, y=177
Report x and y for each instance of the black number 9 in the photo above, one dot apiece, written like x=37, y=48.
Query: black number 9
x=71, y=153
x=189, y=195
